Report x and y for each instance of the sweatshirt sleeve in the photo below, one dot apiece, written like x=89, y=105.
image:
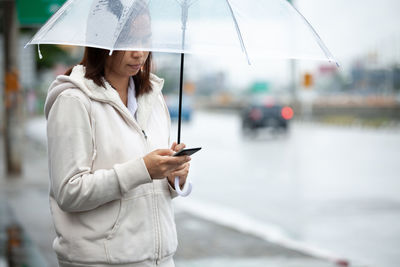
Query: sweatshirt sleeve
x=70, y=150
x=172, y=190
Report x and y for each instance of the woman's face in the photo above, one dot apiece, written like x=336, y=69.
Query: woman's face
x=125, y=63
x=128, y=63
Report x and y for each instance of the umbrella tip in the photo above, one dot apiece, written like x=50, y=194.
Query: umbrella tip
x=39, y=52
x=111, y=52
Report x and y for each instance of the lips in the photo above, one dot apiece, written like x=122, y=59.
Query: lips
x=135, y=66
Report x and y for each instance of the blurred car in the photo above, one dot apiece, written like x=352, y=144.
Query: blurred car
x=273, y=116
x=173, y=107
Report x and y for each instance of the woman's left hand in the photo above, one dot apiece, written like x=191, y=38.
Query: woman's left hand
x=182, y=171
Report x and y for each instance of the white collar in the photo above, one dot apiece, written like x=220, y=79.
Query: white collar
x=132, y=102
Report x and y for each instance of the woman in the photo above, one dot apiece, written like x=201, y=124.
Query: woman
x=111, y=172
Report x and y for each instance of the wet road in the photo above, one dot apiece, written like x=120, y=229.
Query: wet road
x=333, y=187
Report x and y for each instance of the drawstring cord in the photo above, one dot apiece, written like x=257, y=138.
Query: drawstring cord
x=93, y=122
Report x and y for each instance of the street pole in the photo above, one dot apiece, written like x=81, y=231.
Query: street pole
x=12, y=98
x=293, y=84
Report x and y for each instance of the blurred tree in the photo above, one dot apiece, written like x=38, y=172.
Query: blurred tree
x=34, y=13
x=12, y=99
x=52, y=55
x=166, y=66
x=171, y=81
x=1, y=16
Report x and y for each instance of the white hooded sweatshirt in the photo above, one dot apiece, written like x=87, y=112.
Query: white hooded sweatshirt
x=106, y=209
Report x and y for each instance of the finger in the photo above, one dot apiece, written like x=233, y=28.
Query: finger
x=181, y=172
x=164, y=152
x=182, y=181
x=177, y=161
x=181, y=167
x=182, y=177
x=172, y=163
x=179, y=147
x=173, y=146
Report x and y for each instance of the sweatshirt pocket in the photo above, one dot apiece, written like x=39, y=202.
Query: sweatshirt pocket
x=167, y=223
x=132, y=237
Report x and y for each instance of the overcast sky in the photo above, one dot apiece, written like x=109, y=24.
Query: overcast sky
x=349, y=28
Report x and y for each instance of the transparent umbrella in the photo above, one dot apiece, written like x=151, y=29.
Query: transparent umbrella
x=251, y=29
x=254, y=28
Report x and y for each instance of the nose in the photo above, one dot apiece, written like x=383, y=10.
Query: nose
x=137, y=54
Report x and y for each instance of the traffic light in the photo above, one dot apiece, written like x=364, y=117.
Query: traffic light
x=308, y=80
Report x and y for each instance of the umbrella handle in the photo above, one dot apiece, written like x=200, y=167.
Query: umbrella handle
x=187, y=189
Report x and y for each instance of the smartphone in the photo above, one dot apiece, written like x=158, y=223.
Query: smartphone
x=187, y=151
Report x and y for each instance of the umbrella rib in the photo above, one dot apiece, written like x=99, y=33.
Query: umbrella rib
x=130, y=10
x=238, y=32
x=50, y=21
x=319, y=40
x=188, y=5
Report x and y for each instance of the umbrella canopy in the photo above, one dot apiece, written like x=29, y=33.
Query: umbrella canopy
x=253, y=28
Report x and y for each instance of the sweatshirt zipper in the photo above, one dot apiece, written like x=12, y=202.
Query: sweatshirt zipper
x=156, y=218
x=158, y=230
x=156, y=215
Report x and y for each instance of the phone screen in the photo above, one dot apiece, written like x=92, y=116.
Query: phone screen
x=187, y=151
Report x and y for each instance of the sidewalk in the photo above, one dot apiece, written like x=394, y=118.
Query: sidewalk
x=201, y=242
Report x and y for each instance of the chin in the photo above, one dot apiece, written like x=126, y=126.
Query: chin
x=133, y=73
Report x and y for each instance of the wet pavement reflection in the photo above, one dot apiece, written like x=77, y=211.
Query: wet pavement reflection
x=332, y=187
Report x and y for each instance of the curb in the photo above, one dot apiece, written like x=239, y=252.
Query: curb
x=242, y=223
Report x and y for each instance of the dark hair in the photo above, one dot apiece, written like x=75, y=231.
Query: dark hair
x=94, y=60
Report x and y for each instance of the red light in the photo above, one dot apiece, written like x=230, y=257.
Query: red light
x=287, y=113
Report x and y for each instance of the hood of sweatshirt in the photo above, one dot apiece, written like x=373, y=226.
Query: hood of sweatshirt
x=105, y=94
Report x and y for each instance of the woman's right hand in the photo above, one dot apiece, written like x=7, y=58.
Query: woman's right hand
x=160, y=163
